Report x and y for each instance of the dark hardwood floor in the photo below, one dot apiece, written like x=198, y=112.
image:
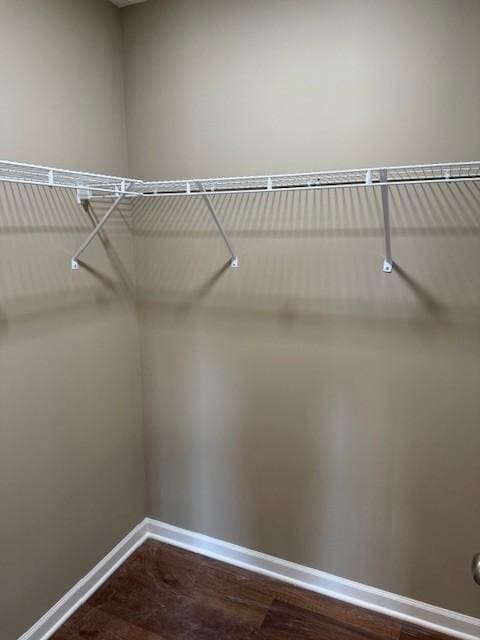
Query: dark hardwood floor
x=166, y=593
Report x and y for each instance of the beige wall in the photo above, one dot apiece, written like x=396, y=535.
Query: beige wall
x=62, y=97
x=237, y=88
x=71, y=451
x=306, y=404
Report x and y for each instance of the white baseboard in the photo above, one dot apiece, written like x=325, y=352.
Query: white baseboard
x=419, y=613
x=425, y=615
x=80, y=592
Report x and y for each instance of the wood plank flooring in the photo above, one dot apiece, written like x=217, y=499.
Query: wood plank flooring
x=165, y=593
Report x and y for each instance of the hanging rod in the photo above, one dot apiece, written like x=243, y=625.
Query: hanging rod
x=338, y=179
x=90, y=186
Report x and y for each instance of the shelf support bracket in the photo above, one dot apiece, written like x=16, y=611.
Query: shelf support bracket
x=388, y=262
x=97, y=230
x=221, y=230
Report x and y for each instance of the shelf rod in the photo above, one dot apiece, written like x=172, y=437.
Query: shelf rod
x=388, y=262
x=211, y=208
x=96, y=231
x=286, y=189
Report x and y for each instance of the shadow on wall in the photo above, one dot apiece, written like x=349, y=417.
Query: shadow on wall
x=39, y=230
x=312, y=256
x=307, y=404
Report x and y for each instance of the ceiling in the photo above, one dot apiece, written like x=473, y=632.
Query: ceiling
x=125, y=3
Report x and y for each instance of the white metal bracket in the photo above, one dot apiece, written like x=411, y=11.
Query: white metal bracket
x=388, y=262
x=97, y=229
x=83, y=195
x=387, y=266
x=211, y=208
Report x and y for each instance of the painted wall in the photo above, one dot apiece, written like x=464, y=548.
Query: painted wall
x=62, y=100
x=238, y=88
x=306, y=404
x=71, y=450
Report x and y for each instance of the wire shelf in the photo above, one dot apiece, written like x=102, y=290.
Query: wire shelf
x=108, y=186
x=414, y=174
x=64, y=179
x=91, y=185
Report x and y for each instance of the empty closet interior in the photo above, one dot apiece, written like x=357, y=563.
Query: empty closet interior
x=240, y=305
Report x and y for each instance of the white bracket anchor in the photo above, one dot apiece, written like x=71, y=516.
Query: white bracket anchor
x=83, y=195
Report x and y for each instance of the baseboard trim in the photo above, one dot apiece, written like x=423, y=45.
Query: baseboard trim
x=86, y=586
x=420, y=613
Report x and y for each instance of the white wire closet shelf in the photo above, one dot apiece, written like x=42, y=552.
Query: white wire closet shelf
x=90, y=186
